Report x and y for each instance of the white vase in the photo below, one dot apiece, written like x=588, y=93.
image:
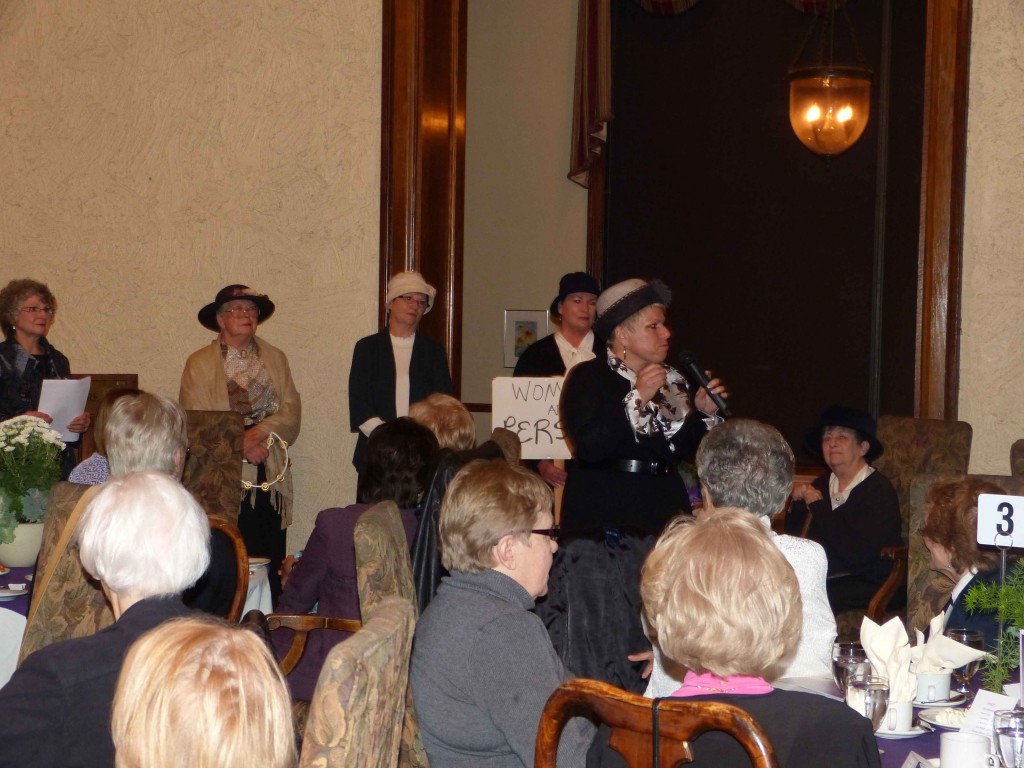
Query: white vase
x=22, y=552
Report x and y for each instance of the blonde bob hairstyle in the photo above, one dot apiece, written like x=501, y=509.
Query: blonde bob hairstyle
x=199, y=692
x=632, y=324
x=449, y=420
x=485, y=501
x=720, y=597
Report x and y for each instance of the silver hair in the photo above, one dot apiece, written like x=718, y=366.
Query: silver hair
x=143, y=433
x=747, y=464
x=143, y=534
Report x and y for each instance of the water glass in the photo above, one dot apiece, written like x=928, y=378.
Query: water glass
x=1008, y=725
x=843, y=655
x=870, y=697
x=972, y=639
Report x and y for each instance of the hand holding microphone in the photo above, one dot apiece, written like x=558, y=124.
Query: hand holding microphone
x=688, y=362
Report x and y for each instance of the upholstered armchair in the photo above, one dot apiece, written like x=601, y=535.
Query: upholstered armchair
x=384, y=570
x=356, y=715
x=213, y=470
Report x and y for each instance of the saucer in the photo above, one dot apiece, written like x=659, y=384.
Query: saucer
x=953, y=701
x=10, y=594
x=4, y=569
x=917, y=730
x=256, y=562
x=935, y=717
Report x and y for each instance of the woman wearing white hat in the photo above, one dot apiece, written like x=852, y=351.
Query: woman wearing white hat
x=396, y=366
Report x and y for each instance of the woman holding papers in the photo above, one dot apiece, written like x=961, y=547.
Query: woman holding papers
x=27, y=308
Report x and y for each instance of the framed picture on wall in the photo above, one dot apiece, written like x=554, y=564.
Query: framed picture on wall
x=522, y=328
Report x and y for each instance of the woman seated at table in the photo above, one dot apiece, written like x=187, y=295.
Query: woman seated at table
x=854, y=510
x=202, y=693
x=721, y=600
x=950, y=534
x=482, y=663
x=398, y=461
x=96, y=469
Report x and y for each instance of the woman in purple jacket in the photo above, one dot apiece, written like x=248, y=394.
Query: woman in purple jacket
x=400, y=458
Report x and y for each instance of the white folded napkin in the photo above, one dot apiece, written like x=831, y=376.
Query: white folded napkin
x=888, y=649
x=941, y=653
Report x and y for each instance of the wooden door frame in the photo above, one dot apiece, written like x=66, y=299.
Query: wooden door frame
x=423, y=118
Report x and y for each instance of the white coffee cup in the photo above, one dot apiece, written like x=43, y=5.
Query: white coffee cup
x=965, y=750
x=932, y=686
x=899, y=717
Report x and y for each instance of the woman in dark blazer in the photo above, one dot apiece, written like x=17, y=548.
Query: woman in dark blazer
x=395, y=367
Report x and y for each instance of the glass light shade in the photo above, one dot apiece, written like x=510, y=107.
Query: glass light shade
x=829, y=106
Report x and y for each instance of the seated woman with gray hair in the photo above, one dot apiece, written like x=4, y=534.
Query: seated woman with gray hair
x=482, y=663
x=748, y=465
x=146, y=540
x=204, y=694
x=721, y=600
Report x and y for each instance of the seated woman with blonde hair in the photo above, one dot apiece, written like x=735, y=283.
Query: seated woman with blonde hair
x=202, y=693
x=721, y=601
x=449, y=420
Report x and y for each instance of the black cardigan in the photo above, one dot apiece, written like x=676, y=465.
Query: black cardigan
x=371, y=380
x=542, y=358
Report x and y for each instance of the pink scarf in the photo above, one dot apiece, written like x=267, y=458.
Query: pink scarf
x=707, y=683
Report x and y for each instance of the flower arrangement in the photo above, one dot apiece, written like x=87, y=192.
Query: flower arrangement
x=29, y=466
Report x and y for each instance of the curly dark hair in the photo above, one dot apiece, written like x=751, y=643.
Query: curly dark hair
x=400, y=459
x=14, y=293
x=953, y=522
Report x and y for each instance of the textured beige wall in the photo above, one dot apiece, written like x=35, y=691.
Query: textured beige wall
x=525, y=223
x=992, y=335
x=153, y=152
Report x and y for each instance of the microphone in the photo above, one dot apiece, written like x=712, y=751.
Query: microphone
x=689, y=363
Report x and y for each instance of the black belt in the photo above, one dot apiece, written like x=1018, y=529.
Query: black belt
x=639, y=467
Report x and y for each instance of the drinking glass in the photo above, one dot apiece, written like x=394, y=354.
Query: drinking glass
x=844, y=655
x=963, y=675
x=1008, y=725
x=870, y=697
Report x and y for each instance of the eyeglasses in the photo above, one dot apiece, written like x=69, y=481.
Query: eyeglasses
x=408, y=298
x=36, y=310
x=552, y=533
x=240, y=311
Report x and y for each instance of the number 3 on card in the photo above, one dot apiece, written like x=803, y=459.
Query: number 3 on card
x=1001, y=520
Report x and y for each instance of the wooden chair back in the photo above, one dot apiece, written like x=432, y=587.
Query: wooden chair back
x=213, y=469
x=631, y=720
x=230, y=530
x=357, y=711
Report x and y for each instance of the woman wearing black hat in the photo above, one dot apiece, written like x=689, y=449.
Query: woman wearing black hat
x=238, y=371
x=573, y=343
x=854, y=511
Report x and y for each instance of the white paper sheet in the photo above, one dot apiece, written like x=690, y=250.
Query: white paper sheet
x=63, y=400
x=980, y=715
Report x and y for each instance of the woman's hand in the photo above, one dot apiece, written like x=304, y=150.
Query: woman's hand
x=647, y=656
x=551, y=474
x=253, y=449
x=703, y=400
x=286, y=569
x=649, y=380
x=80, y=423
x=806, y=493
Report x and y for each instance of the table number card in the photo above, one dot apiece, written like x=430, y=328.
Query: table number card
x=1001, y=520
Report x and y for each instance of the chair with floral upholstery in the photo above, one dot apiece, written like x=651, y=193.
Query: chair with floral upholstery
x=213, y=470
x=383, y=570
x=356, y=715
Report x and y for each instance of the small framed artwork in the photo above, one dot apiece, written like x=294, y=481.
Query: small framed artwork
x=522, y=328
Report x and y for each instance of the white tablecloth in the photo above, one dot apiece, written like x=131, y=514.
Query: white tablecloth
x=12, y=627
x=259, y=591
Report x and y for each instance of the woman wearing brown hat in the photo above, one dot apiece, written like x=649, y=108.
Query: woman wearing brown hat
x=238, y=371
x=854, y=511
x=397, y=366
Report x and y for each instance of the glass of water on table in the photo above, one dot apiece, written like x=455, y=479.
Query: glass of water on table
x=848, y=657
x=1008, y=732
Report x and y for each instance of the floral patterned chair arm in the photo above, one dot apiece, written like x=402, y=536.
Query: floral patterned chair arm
x=356, y=715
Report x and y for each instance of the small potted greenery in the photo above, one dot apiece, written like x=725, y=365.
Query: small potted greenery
x=30, y=456
x=1006, y=602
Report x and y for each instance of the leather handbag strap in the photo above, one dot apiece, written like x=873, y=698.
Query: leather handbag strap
x=43, y=582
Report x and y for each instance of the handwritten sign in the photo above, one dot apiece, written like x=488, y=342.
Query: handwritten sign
x=1001, y=520
x=529, y=407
